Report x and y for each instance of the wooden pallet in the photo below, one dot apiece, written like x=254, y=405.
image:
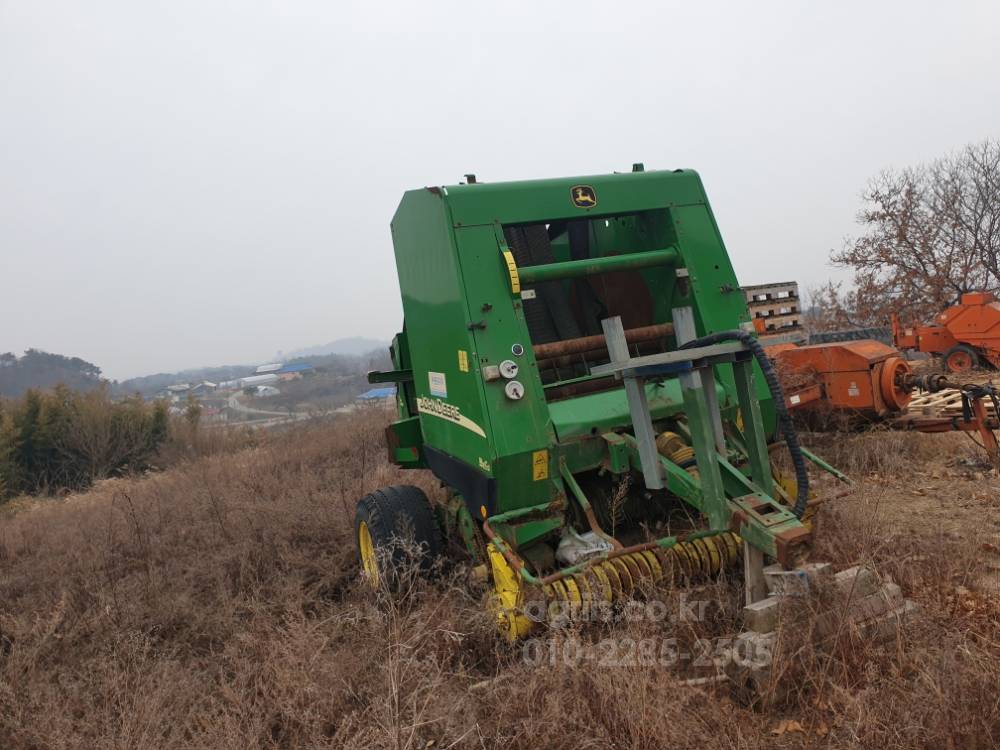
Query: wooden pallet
x=946, y=403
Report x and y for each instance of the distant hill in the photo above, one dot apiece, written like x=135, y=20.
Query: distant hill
x=38, y=369
x=373, y=355
x=355, y=346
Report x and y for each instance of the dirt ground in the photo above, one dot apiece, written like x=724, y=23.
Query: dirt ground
x=218, y=605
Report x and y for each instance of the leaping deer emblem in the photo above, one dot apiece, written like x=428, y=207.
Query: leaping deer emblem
x=584, y=196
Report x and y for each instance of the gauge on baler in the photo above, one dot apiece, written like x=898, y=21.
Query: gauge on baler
x=514, y=390
x=508, y=368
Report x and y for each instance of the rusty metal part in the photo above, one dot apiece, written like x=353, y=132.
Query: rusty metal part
x=932, y=382
x=892, y=381
x=596, y=355
x=584, y=503
x=985, y=431
x=817, y=501
x=791, y=546
x=581, y=388
x=942, y=424
x=592, y=343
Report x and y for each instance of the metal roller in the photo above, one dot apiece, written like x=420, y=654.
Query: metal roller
x=619, y=578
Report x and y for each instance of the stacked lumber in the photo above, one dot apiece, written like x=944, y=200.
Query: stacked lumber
x=946, y=403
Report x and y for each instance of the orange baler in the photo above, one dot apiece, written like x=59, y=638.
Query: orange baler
x=965, y=335
x=866, y=378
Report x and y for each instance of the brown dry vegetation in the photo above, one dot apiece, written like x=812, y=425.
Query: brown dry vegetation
x=217, y=605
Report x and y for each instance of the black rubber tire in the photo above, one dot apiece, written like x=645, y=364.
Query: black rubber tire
x=968, y=350
x=396, y=513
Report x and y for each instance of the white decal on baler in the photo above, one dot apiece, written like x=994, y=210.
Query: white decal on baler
x=437, y=384
x=437, y=408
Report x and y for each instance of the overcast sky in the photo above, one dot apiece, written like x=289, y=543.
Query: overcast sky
x=202, y=183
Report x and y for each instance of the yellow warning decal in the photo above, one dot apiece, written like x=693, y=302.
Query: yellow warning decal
x=515, y=280
x=540, y=465
x=463, y=360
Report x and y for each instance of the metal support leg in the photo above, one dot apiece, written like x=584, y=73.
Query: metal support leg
x=714, y=503
x=753, y=427
x=760, y=472
x=703, y=414
x=707, y=375
x=635, y=392
x=753, y=573
x=685, y=331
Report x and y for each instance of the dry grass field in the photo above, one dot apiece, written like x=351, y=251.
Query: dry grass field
x=218, y=605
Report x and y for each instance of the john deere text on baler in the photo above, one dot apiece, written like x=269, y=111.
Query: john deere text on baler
x=577, y=366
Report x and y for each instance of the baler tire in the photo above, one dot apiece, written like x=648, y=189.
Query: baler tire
x=385, y=521
x=967, y=351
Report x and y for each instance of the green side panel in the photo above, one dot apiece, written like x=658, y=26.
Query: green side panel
x=597, y=413
x=405, y=443
x=526, y=533
x=449, y=401
x=527, y=201
x=522, y=427
x=587, y=453
x=406, y=400
x=719, y=303
x=618, y=461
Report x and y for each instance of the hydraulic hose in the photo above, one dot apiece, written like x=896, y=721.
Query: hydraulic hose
x=778, y=396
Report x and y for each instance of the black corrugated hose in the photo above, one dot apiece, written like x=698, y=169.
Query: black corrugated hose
x=778, y=396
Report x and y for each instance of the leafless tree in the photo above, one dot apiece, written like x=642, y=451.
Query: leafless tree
x=931, y=233
x=829, y=307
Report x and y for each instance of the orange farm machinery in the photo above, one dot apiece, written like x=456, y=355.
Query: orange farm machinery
x=965, y=336
x=869, y=382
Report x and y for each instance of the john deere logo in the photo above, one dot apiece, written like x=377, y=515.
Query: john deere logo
x=583, y=196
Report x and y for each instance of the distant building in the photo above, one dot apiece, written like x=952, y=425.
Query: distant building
x=266, y=391
x=776, y=312
x=203, y=388
x=292, y=372
x=174, y=393
x=378, y=394
x=258, y=380
x=270, y=367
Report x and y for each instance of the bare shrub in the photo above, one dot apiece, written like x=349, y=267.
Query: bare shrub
x=219, y=605
x=65, y=439
x=189, y=439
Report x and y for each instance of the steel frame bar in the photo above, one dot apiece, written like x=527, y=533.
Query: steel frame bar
x=572, y=269
x=702, y=419
x=635, y=393
x=753, y=427
x=722, y=352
